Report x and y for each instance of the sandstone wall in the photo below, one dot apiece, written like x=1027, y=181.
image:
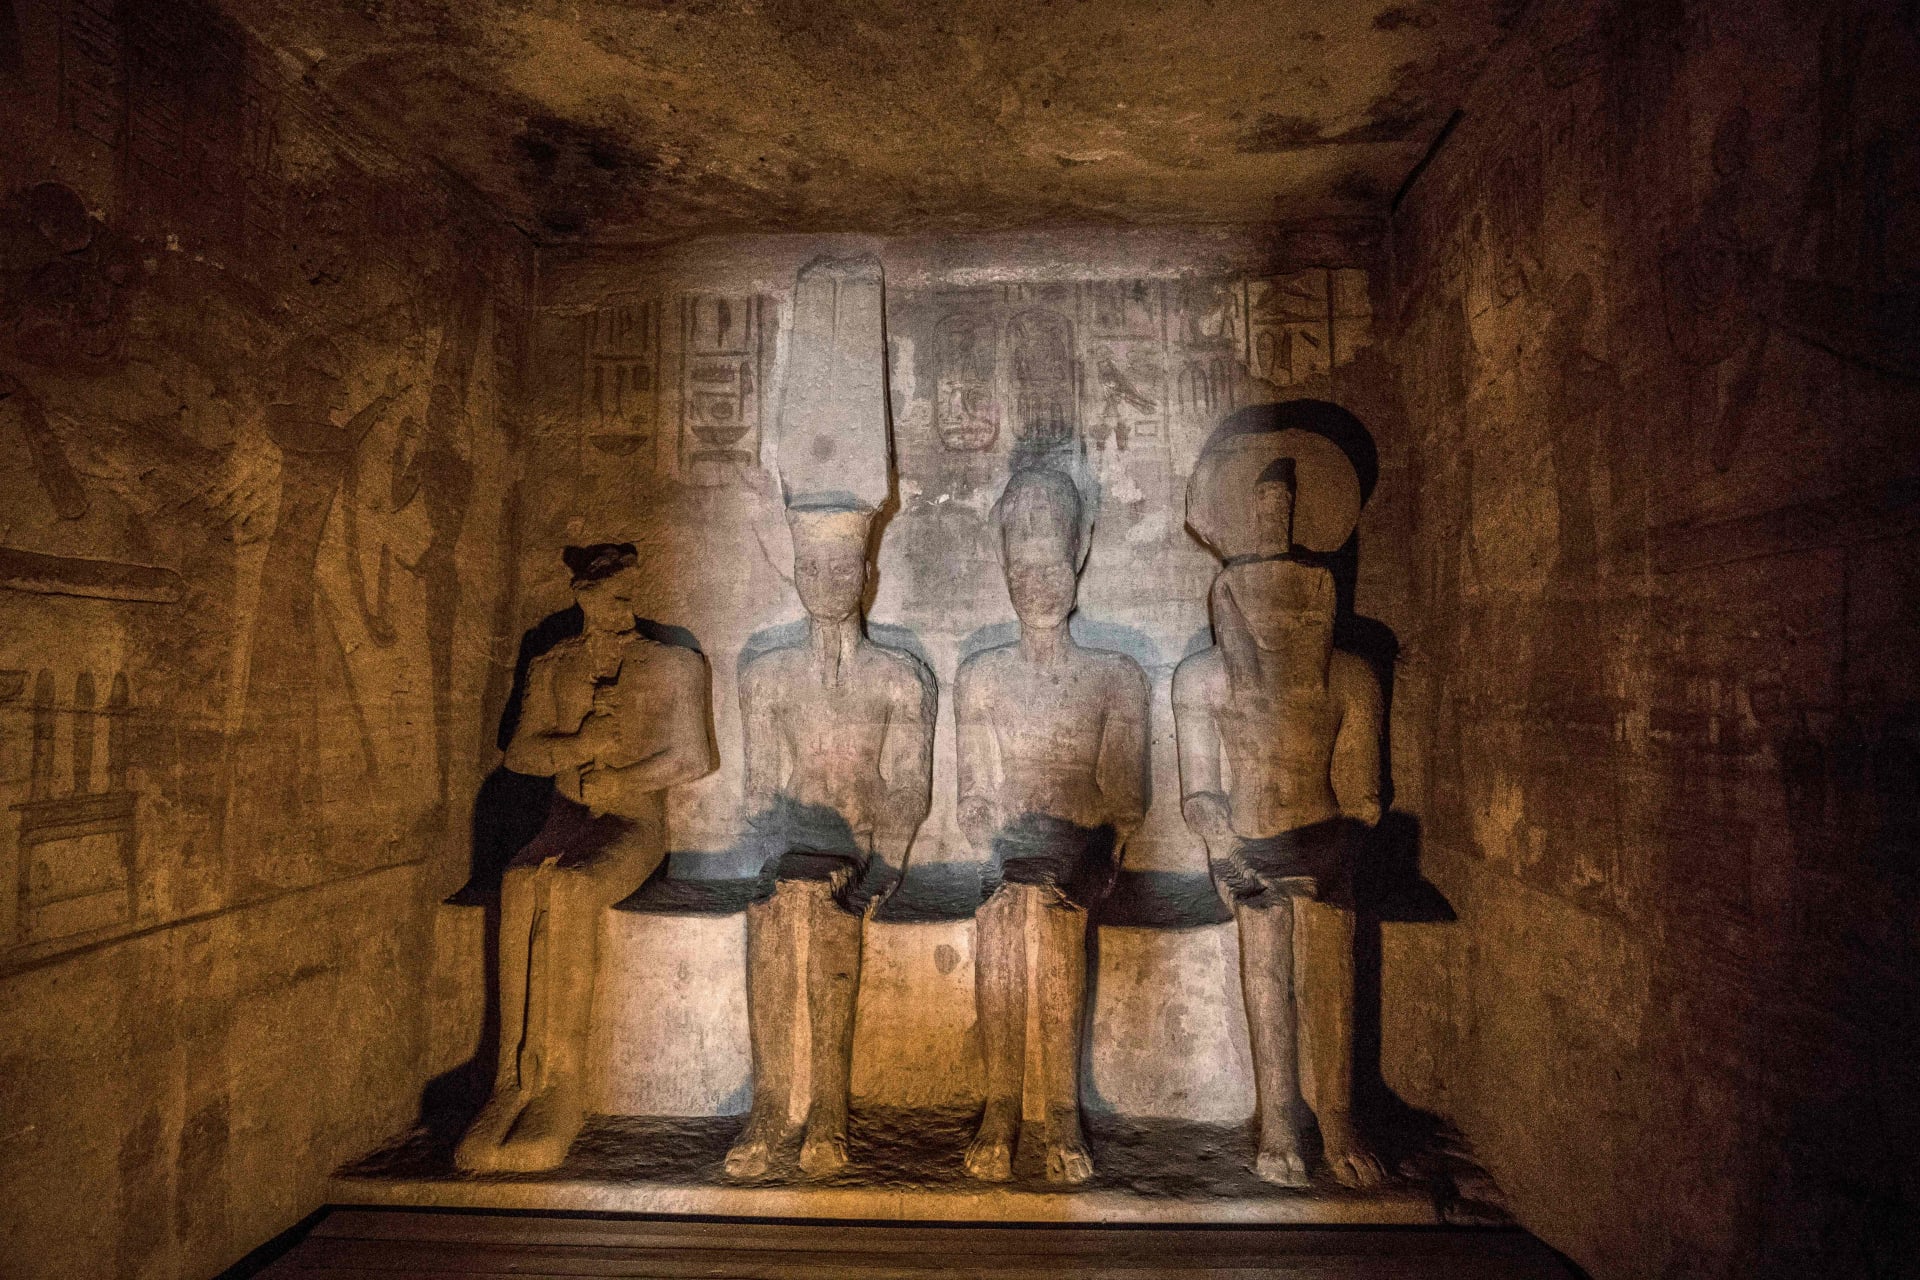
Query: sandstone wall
x=1658, y=712
x=242, y=652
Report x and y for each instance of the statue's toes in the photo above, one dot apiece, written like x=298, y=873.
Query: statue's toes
x=749, y=1158
x=478, y=1153
x=533, y=1154
x=822, y=1156
x=989, y=1160
x=1069, y=1164
x=1358, y=1168
x=1282, y=1168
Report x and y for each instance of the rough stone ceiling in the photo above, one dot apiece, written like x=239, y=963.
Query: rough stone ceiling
x=633, y=121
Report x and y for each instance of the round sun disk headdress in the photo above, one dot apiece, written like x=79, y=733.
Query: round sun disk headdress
x=1221, y=506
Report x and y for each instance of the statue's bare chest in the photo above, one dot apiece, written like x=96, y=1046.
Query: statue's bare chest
x=1048, y=713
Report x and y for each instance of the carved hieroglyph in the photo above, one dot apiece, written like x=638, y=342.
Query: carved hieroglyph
x=1052, y=782
x=614, y=719
x=1280, y=768
x=839, y=747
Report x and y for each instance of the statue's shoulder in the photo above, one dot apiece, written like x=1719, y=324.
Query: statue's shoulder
x=990, y=662
x=768, y=664
x=898, y=666
x=1117, y=667
x=677, y=658
x=563, y=650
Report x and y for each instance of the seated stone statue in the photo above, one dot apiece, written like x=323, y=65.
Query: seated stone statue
x=614, y=719
x=1279, y=738
x=1052, y=765
x=839, y=753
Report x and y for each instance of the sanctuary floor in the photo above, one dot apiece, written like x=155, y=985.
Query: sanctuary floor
x=439, y=1245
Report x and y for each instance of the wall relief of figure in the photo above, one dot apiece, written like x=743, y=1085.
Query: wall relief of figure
x=839, y=760
x=615, y=719
x=1279, y=740
x=276, y=782
x=1052, y=781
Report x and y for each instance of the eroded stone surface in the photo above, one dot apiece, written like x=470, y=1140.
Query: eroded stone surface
x=1654, y=693
x=633, y=123
x=252, y=448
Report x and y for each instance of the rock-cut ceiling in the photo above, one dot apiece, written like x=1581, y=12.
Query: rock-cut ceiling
x=641, y=120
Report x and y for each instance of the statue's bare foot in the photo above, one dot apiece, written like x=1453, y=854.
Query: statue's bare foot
x=752, y=1153
x=1280, y=1161
x=479, y=1149
x=825, y=1150
x=1068, y=1161
x=544, y=1133
x=990, y=1158
x=1352, y=1163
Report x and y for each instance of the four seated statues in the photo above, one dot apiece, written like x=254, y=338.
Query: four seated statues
x=1279, y=740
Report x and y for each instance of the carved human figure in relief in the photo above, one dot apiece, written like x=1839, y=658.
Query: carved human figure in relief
x=839, y=756
x=1279, y=738
x=614, y=719
x=1052, y=765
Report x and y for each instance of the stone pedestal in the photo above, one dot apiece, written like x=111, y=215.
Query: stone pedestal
x=1167, y=1085
x=670, y=1016
x=1169, y=1026
x=1168, y=1040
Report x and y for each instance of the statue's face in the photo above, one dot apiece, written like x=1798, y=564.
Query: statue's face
x=1040, y=575
x=830, y=564
x=1285, y=604
x=608, y=603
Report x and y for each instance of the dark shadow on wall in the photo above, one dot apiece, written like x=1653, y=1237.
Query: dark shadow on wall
x=508, y=812
x=1389, y=889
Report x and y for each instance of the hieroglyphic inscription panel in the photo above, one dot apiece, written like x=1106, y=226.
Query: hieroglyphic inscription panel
x=723, y=355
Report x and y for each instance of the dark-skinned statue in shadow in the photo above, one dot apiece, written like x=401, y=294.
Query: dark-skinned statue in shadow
x=614, y=719
x=1279, y=738
x=1052, y=781
x=839, y=754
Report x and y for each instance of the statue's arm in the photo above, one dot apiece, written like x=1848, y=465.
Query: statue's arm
x=1203, y=797
x=906, y=764
x=1122, y=769
x=536, y=748
x=760, y=734
x=1356, y=747
x=979, y=809
x=686, y=748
